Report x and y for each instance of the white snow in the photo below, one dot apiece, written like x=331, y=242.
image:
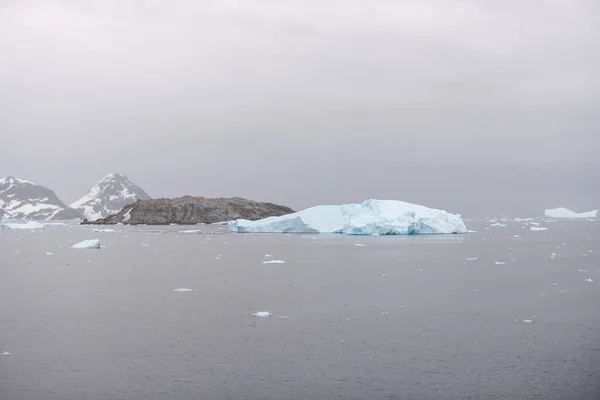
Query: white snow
x=538, y=228
x=562, y=212
x=24, y=225
x=261, y=314
x=372, y=217
x=183, y=290
x=274, y=262
x=88, y=244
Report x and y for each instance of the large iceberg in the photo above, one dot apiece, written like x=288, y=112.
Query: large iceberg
x=566, y=213
x=372, y=217
x=22, y=225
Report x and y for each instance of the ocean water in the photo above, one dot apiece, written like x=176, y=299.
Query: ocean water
x=393, y=318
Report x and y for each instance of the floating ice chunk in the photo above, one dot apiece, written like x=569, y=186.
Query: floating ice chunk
x=88, y=244
x=274, y=262
x=589, y=280
x=268, y=255
x=5, y=354
x=261, y=314
x=555, y=284
x=145, y=245
x=191, y=231
x=523, y=219
x=372, y=217
x=183, y=290
x=498, y=225
x=24, y=225
x=516, y=236
x=104, y=230
x=359, y=245
x=472, y=258
x=538, y=228
x=562, y=212
x=529, y=321
x=500, y=262
x=49, y=254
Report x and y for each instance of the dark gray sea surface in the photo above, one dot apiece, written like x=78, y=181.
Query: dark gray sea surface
x=500, y=313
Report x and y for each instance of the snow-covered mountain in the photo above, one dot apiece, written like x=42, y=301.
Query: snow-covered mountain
x=21, y=199
x=109, y=196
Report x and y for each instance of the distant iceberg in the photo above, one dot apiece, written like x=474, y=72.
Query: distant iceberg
x=566, y=213
x=372, y=217
x=22, y=225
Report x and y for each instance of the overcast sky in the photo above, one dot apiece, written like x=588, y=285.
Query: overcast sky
x=480, y=107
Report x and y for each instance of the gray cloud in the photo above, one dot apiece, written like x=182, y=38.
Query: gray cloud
x=479, y=106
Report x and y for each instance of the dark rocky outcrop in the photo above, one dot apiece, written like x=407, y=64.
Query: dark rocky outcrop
x=192, y=210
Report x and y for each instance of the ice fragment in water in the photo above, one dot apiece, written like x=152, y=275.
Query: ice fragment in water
x=191, y=231
x=182, y=290
x=360, y=245
x=261, y=314
x=538, y=228
x=104, y=230
x=274, y=262
x=268, y=255
x=589, y=280
x=500, y=262
x=472, y=258
x=88, y=244
x=5, y=354
x=497, y=224
x=49, y=254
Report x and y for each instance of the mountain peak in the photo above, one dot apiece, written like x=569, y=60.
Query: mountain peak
x=109, y=196
x=22, y=199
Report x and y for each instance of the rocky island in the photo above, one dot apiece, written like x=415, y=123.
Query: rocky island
x=190, y=210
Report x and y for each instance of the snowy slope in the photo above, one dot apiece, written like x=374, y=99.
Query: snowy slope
x=22, y=199
x=381, y=217
x=562, y=212
x=109, y=196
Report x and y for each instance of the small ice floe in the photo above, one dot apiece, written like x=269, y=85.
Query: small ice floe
x=5, y=354
x=49, y=254
x=582, y=270
x=274, y=262
x=516, y=236
x=183, y=290
x=268, y=255
x=529, y=321
x=104, y=230
x=191, y=231
x=498, y=225
x=589, y=280
x=538, y=228
x=261, y=314
x=375, y=234
x=470, y=231
x=88, y=244
x=384, y=313
x=359, y=245
x=555, y=284
x=145, y=245
x=472, y=258
x=499, y=262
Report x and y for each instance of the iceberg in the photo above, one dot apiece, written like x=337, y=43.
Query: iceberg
x=372, y=217
x=562, y=212
x=538, y=228
x=22, y=225
x=261, y=314
x=87, y=244
x=183, y=290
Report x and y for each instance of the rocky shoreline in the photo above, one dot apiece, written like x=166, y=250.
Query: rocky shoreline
x=190, y=210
